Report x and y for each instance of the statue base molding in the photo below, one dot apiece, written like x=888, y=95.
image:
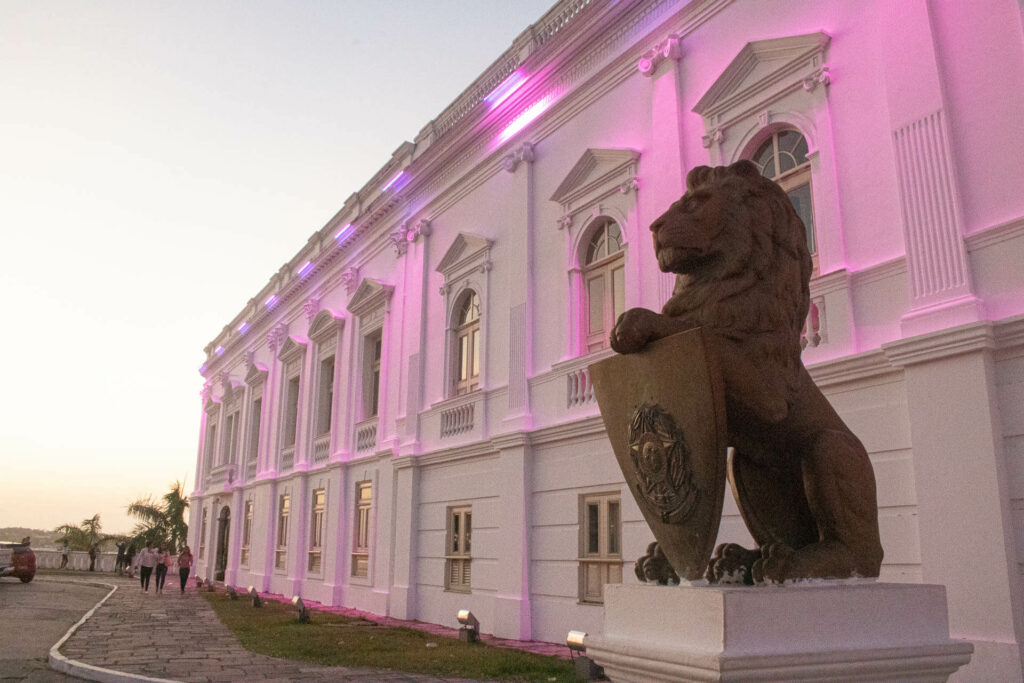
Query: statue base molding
x=820, y=631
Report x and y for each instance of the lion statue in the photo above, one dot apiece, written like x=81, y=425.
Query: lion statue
x=802, y=480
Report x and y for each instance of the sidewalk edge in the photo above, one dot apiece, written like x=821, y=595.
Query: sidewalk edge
x=89, y=672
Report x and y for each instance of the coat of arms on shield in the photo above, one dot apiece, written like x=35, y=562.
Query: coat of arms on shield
x=664, y=411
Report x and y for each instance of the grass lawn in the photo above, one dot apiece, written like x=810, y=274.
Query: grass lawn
x=334, y=640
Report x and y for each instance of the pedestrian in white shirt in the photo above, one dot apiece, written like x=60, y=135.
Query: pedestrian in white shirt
x=147, y=560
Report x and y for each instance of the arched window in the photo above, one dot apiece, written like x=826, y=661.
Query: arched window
x=603, y=281
x=467, y=344
x=783, y=158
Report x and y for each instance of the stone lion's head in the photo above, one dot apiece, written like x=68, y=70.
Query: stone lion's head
x=740, y=253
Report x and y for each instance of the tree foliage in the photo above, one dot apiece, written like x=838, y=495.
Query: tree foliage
x=84, y=535
x=161, y=522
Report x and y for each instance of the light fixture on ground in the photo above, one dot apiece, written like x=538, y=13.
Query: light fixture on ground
x=254, y=594
x=302, y=609
x=470, y=631
x=586, y=669
x=232, y=593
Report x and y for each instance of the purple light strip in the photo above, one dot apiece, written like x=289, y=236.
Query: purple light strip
x=243, y=328
x=524, y=119
x=306, y=267
x=504, y=90
x=398, y=176
x=219, y=350
x=343, y=232
x=271, y=300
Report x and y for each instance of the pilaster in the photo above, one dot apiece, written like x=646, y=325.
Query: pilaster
x=406, y=502
x=521, y=295
x=512, y=613
x=961, y=482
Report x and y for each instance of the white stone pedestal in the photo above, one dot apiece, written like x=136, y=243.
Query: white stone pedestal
x=827, y=631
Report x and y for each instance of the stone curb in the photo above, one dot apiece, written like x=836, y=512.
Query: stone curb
x=73, y=667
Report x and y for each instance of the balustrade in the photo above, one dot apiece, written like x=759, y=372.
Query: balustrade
x=366, y=435
x=457, y=420
x=579, y=390
x=322, y=448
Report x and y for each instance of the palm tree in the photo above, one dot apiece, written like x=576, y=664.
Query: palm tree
x=83, y=536
x=161, y=521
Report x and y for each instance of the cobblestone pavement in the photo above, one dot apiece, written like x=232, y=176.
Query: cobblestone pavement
x=178, y=636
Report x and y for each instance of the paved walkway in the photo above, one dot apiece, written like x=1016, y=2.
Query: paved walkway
x=179, y=637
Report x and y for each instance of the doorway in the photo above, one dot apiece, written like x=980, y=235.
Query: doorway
x=223, y=529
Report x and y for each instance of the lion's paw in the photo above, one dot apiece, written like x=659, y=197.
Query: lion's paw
x=773, y=565
x=730, y=564
x=655, y=567
x=633, y=330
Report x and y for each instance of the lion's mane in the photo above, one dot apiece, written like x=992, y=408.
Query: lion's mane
x=756, y=295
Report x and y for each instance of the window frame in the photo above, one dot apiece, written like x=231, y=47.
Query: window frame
x=607, y=558
x=281, y=537
x=605, y=268
x=246, y=547
x=317, y=517
x=791, y=179
x=362, y=531
x=203, y=526
x=458, y=549
x=468, y=330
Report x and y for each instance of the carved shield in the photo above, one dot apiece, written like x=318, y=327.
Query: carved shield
x=664, y=410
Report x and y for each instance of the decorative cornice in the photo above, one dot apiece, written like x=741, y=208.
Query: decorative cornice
x=668, y=48
x=970, y=338
x=325, y=326
x=817, y=77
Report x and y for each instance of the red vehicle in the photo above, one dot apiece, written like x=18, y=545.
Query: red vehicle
x=17, y=559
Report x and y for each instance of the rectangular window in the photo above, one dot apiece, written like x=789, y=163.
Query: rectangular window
x=281, y=554
x=361, y=536
x=372, y=374
x=458, y=551
x=231, y=439
x=325, y=396
x=600, y=560
x=243, y=558
x=255, y=416
x=291, y=413
x=210, y=445
x=202, y=535
x=316, y=530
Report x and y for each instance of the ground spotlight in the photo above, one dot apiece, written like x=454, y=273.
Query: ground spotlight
x=254, y=594
x=470, y=631
x=302, y=609
x=586, y=669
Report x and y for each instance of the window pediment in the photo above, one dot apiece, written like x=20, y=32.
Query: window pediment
x=255, y=375
x=291, y=349
x=761, y=72
x=370, y=295
x=466, y=253
x=211, y=406
x=597, y=172
x=324, y=326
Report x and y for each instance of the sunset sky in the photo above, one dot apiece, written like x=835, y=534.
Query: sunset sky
x=159, y=161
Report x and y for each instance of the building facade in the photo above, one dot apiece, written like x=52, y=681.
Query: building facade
x=401, y=420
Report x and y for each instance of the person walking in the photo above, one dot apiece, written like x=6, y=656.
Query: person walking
x=147, y=560
x=163, y=558
x=64, y=556
x=93, y=552
x=184, y=566
x=129, y=555
x=119, y=564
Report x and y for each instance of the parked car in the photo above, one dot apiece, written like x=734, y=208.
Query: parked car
x=17, y=559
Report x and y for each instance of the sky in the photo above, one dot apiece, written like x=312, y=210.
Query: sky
x=159, y=162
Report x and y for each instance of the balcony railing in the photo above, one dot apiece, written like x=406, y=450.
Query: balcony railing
x=457, y=420
x=322, y=448
x=287, y=457
x=366, y=435
x=578, y=389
